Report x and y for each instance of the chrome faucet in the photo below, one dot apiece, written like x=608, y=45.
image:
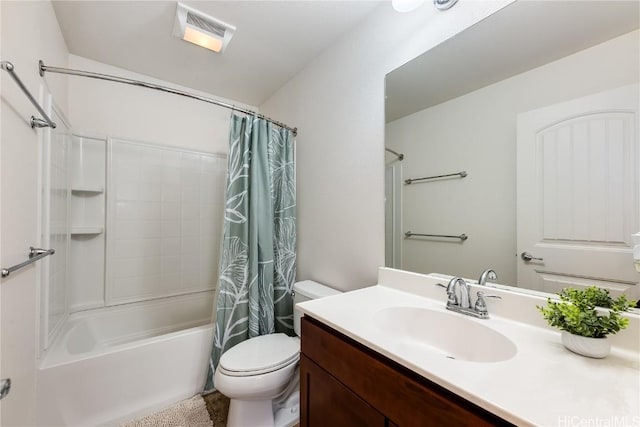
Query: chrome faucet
x=462, y=304
x=488, y=274
x=464, y=299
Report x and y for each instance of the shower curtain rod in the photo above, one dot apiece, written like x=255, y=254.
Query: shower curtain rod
x=46, y=68
x=35, y=122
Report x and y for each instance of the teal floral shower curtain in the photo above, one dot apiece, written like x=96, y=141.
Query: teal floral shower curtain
x=257, y=268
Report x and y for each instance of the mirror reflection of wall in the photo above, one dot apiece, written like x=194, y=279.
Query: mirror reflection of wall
x=474, y=128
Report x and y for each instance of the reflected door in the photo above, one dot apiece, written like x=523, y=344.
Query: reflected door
x=578, y=186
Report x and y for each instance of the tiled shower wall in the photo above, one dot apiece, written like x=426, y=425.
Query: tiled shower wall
x=87, y=217
x=164, y=221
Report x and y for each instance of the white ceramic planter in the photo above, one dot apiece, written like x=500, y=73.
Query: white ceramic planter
x=590, y=347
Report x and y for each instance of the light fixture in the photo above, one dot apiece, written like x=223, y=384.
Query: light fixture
x=203, y=30
x=406, y=5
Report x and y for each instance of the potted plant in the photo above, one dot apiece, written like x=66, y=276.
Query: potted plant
x=586, y=317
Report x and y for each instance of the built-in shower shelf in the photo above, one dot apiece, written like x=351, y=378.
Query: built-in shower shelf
x=86, y=189
x=86, y=230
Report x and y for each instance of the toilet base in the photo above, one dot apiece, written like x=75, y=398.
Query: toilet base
x=244, y=413
x=288, y=416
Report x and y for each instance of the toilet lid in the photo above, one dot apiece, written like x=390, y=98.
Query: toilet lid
x=261, y=354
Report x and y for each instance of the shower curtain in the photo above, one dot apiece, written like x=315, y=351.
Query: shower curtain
x=257, y=268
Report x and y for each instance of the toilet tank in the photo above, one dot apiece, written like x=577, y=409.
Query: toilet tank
x=305, y=291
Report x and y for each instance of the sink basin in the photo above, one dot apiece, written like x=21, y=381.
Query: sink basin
x=455, y=336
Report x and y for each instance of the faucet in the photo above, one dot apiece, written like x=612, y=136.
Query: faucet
x=488, y=274
x=464, y=300
x=462, y=304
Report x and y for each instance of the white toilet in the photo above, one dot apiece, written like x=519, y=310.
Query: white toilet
x=260, y=370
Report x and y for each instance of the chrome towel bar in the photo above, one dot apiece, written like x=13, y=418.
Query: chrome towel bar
x=461, y=174
x=35, y=122
x=34, y=255
x=462, y=237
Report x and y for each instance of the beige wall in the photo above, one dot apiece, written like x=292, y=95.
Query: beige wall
x=463, y=134
x=29, y=31
x=337, y=103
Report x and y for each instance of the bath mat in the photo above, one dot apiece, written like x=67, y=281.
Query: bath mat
x=218, y=407
x=188, y=413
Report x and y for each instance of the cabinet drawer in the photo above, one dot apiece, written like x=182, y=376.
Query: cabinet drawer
x=404, y=397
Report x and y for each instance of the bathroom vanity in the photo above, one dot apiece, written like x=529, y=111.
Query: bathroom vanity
x=344, y=383
x=393, y=355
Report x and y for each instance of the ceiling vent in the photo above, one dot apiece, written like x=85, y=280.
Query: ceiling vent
x=198, y=28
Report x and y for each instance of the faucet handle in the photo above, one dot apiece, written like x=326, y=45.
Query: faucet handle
x=481, y=305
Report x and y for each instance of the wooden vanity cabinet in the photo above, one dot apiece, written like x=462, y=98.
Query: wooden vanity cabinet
x=343, y=383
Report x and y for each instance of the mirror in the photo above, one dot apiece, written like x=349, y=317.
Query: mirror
x=533, y=112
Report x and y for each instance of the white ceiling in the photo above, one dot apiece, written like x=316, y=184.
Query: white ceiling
x=520, y=37
x=273, y=40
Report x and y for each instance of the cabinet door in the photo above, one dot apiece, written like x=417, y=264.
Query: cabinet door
x=327, y=402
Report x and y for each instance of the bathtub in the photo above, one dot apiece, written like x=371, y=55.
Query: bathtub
x=113, y=364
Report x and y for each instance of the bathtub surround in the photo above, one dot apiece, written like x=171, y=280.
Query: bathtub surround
x=86, y=181
x=130, y=222
x=144, y=221
x=164, y=221
x=259, y=245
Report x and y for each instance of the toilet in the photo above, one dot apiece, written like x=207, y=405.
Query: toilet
x=260, y=375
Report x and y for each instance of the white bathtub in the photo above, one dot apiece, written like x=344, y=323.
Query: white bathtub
x=114, y=364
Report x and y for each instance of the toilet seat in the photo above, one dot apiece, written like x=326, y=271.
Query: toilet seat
x=260, y=355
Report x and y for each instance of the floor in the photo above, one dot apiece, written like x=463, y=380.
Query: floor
x=218, y=407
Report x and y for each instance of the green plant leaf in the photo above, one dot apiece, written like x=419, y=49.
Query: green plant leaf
x=589, y=312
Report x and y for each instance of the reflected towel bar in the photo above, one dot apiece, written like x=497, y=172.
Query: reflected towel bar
x=35, y=122
x=461, y=174
x=462, y=237
x=34, y=255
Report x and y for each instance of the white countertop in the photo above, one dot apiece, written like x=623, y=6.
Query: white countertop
x=544, y=384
